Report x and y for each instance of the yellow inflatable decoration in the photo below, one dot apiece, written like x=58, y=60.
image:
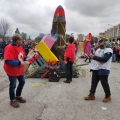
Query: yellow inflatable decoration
x=46, y=52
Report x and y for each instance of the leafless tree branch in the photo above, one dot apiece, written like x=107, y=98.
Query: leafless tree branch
x=4, y=27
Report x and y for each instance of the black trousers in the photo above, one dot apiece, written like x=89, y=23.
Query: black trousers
x=104, y=82
x=87, y=59
x=117, y=57
x=69, y=70
x=1, y=55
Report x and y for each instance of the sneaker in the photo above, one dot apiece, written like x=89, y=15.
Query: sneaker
x=15, y=104
x=20, y=99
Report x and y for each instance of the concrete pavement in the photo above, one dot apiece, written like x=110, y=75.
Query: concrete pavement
x=60, y=101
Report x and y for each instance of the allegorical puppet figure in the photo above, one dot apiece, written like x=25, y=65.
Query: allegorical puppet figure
x=87, y=47
x=58, y=31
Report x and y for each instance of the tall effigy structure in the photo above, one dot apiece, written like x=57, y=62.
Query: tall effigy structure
x=58, y=30
x=48, y=54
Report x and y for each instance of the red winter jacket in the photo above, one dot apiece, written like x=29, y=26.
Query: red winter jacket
x=70, y=53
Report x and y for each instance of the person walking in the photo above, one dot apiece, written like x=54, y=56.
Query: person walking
x=100, y=70
x=14, y=68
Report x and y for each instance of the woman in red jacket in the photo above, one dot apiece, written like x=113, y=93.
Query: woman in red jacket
x=69, y=59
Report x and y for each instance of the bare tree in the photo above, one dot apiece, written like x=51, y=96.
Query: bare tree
x=4, y=27
x=10, y=32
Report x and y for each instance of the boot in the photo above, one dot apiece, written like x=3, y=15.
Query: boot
x=90, y=61
x=90, y=97
x=70, y=79
x=66, y=81
x=107, y=99
x=15, y=104
x=20, y=99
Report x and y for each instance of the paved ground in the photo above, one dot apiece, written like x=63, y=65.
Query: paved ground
x=60, y=101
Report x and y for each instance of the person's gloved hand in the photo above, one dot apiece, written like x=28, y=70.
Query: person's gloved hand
x=20, y=58
x=31, y=54
x=91, y=56
x=22, y=63
x=65, y=62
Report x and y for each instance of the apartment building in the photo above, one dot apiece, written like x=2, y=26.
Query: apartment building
x=81, y=37
x=113, y=33
x=101, y=34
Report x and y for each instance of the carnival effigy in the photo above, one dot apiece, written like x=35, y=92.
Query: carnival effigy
x=47, y=58
x=87, y=45
x=58, y=30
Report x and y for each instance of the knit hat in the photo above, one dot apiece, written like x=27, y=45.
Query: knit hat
x=104, y=38
x=71, y=39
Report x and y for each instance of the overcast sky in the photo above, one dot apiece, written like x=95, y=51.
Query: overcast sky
x=82, y=16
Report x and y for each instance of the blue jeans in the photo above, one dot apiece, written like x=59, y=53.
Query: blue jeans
x=12, y=86
x=114, y=57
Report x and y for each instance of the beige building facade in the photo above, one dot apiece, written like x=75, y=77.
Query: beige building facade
x=81, y=37
x=113, y=33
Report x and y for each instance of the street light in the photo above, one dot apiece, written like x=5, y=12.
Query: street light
x=111, y=25
x=72, y=34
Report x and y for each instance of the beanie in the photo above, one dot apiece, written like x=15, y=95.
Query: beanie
x=71, y=39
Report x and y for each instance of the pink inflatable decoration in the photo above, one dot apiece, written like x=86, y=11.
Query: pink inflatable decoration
x=48, y=40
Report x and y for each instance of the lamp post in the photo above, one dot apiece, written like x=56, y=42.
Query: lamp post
x=110, y=25
x=72, y=34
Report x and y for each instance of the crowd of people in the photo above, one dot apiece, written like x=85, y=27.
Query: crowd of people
x=14, y=65
x=27, y=46
x=15, y=52
x=116, y=52
x=102, y=54
x=115, y=47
